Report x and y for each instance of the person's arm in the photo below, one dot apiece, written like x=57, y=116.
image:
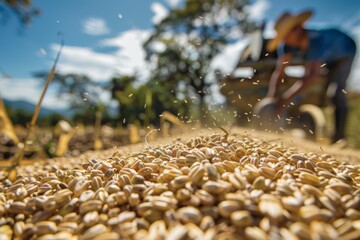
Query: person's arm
x=278, y=74
x=312, y=70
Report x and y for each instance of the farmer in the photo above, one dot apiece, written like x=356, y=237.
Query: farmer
x=317, y=47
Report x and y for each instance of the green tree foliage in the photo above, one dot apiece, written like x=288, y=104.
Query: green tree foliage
x=18, y=116
x=22, y=118
x=185, y=42
x=50, y=120
x=78, y=90
x=144, y=103
x=82, y=94
x=23, y=9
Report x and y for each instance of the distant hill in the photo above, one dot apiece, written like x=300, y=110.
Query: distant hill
x=29, y=107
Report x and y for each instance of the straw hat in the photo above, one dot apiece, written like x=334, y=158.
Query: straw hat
x=284, y=24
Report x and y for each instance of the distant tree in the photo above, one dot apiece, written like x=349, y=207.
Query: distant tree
x=76, y=89
x=18, y=116
x=23, y=9
x=82, y=94
x=50, y=120
x=122, y=90
x=143, y=104
x=185, y=42
x=85, y=116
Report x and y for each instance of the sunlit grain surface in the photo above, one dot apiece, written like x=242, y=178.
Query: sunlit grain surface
x=203, y=185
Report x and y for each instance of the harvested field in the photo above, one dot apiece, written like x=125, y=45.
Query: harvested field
x=203, y=185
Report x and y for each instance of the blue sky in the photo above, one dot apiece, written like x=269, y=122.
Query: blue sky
x=103, y=38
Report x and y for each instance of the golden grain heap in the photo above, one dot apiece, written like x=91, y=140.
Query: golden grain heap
x=211, y=187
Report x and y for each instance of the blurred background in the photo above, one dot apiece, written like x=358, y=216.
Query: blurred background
x=131, y=61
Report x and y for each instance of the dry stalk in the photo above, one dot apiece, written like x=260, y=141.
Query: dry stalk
x=20, y=155
x=146, y=137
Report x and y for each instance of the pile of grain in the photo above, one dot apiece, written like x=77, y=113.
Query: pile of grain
x=211, y=187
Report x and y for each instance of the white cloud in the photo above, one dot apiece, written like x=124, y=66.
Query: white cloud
x=82, y=60
x=29, y=89
x=173, y=3
x=258, y=9
x=128, y=58
x=130, y=52
x=95, y=26
x=160, y=12
x=229, y=57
